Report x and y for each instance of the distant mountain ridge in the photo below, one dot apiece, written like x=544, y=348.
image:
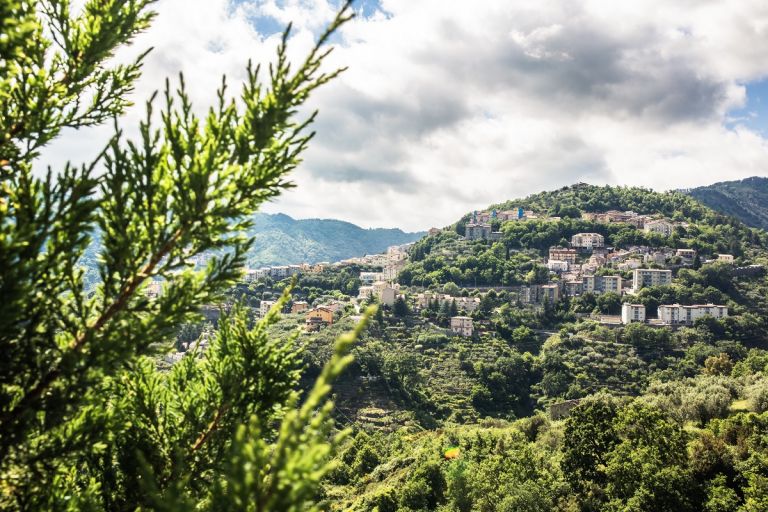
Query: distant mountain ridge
x=283, y=240
x=746, y=199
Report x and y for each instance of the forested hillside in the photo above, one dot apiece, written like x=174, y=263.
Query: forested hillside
x=282, y=240
x=746, y=199
x=553, y=404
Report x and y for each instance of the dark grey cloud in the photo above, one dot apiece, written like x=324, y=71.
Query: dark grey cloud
x=580, y=65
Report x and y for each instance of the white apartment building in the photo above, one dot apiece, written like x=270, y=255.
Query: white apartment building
x=587, y=240
x=550, y=293
x=677, y=314
x=265, y=306
x=601, y=284
x=368, y=278
x=631, y=313
x=365, y=292
x=384, y=293
x=462, y=325
x=563, y=254
x=557, y=265
x=642, y=277
x=661, y=226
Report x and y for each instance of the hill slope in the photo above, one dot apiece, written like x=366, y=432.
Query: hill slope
x=282, y=240
x=746, y=200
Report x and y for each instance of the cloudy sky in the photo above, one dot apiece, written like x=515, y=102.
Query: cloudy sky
x=448, y=105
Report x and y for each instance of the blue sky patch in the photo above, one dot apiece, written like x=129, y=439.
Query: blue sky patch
x=754, y=114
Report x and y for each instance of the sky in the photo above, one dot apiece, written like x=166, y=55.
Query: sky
x=448, y=106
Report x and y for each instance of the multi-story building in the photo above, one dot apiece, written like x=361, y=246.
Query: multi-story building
x=686, y=254
x=655, y=257
x=563, y=254
x=365, y=292
x=480, y=231
x=299, y=306
x=601, y=284
x=385, y=293
x=558, y=265
x=382, y=291
x=368, y=278
x=660, y=226
x=318, y=317
x=587, y=241
x=550, y=292
x=462, y=325
x=265, y=306
x=725, y=258
x=677, y=314
x=642, y=277
x=631, y=313
x=573, y=287
x=477, y=231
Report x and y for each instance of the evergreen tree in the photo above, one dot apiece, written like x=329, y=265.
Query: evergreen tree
x=454, y=309
x=86, y=419
x=400, y=309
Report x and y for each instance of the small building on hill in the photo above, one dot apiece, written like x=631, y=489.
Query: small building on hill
x=318, y=317
x=587, y=241
x=674, y=314
x=462, y=325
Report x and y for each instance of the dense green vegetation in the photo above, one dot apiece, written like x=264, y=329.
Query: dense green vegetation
x=545, y=406
x=668, y=419
x=513, y=260
x=88, y=418
x=745, y=199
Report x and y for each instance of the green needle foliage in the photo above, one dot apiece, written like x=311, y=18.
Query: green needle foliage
x=87, y=422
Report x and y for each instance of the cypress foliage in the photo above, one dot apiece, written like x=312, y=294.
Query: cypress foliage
x=86, y=420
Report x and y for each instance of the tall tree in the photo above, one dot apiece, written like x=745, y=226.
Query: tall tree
x=86, y=420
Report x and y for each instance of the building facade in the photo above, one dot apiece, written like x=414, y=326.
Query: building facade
x=587, y=241
x=632, y=313
x=563, y=254
x=673, y=314
x=462, y=325
x=661, y=227
x=642, y=277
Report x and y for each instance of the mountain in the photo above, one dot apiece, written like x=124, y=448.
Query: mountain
x=282, y=240
x=746, y=199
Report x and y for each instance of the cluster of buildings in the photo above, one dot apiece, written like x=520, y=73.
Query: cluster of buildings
x=647, y=223
x=281, y=271
x=480, y=225
x=672, y=314
x=391, y=262
x=314, y=318
x=579, y=284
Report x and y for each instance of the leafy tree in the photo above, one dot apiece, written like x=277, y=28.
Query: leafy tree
x=86, y=420
x=720, y=364
x=590, y=436
x=609, y=303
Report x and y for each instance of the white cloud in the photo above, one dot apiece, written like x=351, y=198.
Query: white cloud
x=450, y=106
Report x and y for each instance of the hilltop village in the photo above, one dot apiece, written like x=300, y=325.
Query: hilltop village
x=494, y=331
x=582, y=267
